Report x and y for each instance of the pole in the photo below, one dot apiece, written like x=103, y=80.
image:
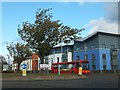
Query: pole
x=61, y=60
x=85, y=50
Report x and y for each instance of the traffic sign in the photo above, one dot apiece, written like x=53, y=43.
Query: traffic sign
x=24, y=66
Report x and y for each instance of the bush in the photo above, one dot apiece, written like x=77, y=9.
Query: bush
x=8, y=71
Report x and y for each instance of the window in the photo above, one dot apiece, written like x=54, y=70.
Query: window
x=57, y=51
x=114, y=67
x=114, y=57
x=85, y=66
x=64, y=50
x=103, y=45
x=93, y=62
x=78, y=57
x=77, y=49
x=93, y=59
x=85, y=46
x=93, y=67
x=51, y=60
x=112, y=46
x=104, y=67
x=64, y=60
x=104, y=56
x=104, y=59
x=86, y=57
x=57, y=59
x=92, y=46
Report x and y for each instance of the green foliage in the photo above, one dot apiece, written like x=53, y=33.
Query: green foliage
x=44, y=33
x=19, y=52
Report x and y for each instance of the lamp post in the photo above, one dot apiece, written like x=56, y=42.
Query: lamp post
x=61, y=60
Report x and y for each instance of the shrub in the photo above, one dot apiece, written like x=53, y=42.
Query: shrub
x=8, y=71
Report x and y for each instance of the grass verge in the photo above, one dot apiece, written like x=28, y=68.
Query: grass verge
x=38, y=76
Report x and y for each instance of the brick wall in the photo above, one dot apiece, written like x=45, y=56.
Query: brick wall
x=34, y=62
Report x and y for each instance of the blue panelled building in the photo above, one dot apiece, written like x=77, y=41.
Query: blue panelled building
x=101, y=49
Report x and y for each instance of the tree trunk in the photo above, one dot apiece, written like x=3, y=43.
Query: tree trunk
x=42, y=60
x=19, y=66
x=41, y=56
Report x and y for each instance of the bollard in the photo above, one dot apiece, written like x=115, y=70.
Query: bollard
x=80, y=71
x=24, y=72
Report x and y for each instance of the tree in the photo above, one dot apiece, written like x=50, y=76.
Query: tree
x=44, y=33
x=19, y=52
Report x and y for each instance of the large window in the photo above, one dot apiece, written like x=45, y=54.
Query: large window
x=86, y=57
x=104, y=61
x=114, y=60
x=93, y=67
x=104, y=67
x=93, y=62
x=78, y=57
x=57, y=59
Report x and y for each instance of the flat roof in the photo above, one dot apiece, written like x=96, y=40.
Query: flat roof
x=92, y=34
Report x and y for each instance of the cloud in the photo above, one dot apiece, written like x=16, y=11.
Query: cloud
x=111, y=12
x=107, y=23
x=103, y=25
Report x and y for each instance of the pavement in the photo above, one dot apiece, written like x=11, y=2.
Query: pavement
x=93, y=81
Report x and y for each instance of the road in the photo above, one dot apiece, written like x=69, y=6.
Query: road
x=93, y=81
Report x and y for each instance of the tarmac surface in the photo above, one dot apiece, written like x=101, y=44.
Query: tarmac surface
x=93, y=81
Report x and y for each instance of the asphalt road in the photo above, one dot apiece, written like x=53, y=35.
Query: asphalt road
x=93, y=81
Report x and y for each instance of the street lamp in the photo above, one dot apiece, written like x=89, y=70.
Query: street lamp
x=61, y=60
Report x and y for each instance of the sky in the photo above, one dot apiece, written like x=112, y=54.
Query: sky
x=93, y=16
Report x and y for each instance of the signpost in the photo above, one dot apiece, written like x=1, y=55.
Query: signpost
x=45, y=67
x=42, y=66
x=24, y=66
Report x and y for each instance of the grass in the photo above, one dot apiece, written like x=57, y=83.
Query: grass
x=38, y=76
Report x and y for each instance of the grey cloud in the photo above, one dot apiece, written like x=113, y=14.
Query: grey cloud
x=111, y=12
x=107, y=23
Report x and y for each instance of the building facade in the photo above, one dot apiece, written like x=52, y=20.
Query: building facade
x=101, y=49
x=32, y=64
x=60, y=53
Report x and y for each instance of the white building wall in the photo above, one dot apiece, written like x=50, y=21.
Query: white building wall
x=53, y=58
x=70, y=59
x=69, y=56
x=28, y=63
